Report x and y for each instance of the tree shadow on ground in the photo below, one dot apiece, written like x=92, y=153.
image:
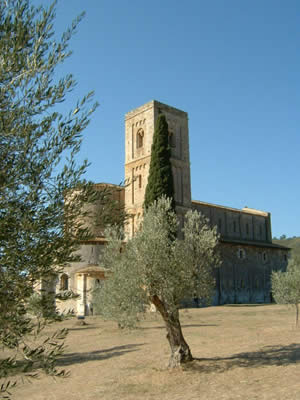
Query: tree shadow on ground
x=267, y=356
x=248, y=305
x=182, y=326
x=78, y=358
x=84, y=327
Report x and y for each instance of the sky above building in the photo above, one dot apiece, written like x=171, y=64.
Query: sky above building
x=232, y=65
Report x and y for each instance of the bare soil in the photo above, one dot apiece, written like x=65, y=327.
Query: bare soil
x=242, y=352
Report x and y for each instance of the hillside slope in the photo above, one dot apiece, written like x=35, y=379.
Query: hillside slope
x=293, y=243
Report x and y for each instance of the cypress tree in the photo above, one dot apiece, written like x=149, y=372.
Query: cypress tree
x=160, y=179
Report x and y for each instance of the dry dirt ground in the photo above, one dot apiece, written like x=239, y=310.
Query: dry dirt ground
x=242, y=352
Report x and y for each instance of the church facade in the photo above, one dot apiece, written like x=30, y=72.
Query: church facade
x=247, y=252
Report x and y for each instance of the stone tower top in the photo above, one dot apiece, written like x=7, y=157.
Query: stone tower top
x=154, y=104
x=139, y=130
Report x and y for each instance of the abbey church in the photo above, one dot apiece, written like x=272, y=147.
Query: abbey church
x=248, y=254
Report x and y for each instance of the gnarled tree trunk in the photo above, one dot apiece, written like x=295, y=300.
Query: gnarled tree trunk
x=180, y=351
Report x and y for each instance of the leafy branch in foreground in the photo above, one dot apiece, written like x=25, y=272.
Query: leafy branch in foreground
x=38, y=149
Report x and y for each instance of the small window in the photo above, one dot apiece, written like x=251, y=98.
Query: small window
x=97, y=283
x=265, y=257
x=140, y=181
x=64, y=282
x=285, y=257
x=242, y=284
x=241, y=254
x=140, y=138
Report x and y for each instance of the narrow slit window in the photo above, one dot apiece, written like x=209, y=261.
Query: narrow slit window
x=234, y=226
x=241, y=254
x=140, y=138
x=220, y=223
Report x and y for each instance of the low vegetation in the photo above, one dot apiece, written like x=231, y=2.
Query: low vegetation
x=286, y=286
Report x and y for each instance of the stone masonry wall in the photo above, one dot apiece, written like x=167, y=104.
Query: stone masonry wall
x=245, y=273
x=139, y=130
x=246, y=224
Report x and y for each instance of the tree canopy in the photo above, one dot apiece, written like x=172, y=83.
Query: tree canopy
x=286, y=285
x=38, y=148
x=155, y=268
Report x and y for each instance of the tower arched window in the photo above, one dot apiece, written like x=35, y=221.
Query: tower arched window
x=140, y=138
x=64, y=282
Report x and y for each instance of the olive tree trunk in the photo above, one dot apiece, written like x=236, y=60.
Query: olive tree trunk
x=180, y=351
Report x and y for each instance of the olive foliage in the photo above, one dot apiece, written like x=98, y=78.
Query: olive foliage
x=156, y=268
x=38, y=149
x=286, y=285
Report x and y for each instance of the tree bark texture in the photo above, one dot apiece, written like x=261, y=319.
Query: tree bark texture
x=180, y=351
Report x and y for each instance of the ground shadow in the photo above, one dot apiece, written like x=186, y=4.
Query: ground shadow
x=267, y=356
x=248, y=305
x=182, y=326
x=196, y=325
x=68, y=359
x=78, y=358
x=84, y=327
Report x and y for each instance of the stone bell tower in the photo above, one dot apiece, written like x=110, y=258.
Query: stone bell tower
x=139, y=130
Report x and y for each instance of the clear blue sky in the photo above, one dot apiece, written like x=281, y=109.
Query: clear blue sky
x=233, y=65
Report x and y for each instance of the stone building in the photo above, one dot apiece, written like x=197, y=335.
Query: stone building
x=246, y=246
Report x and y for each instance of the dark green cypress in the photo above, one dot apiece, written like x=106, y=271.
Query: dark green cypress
x=160, y=179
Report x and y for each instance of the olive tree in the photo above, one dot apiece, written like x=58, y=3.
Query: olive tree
x=156, y=268
x=38, y=148
x=286, y=286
